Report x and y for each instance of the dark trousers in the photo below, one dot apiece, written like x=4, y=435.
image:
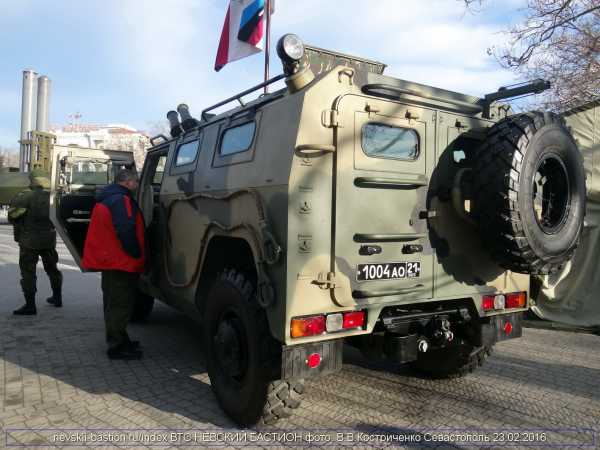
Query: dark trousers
x=28, y=259
x=118, y=295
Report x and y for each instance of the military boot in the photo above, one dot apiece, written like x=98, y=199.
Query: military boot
x=28, y=309
x=56, y=298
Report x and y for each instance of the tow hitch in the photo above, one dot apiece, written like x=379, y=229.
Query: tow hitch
x=441, y=331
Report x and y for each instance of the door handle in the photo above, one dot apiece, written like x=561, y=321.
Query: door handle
x=313, y=150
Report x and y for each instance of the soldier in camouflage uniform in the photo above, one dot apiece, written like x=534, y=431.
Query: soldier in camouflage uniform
x=35, y=234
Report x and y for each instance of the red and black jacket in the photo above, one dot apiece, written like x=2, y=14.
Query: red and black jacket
x=115, y=237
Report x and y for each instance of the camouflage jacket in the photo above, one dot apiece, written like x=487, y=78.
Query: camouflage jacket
x=29, y=213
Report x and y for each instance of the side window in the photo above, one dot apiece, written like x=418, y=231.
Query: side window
x=237, y=139
x=186, y=153
x=385, y=141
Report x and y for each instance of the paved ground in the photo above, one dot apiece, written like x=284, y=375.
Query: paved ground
x=55, y=379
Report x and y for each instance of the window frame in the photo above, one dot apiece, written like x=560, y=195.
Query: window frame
x=226, y=130
x=245, y=156
x=178, y=149
x=416, y=133
x=173, y=168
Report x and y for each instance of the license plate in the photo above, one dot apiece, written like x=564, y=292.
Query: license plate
x=388, y=271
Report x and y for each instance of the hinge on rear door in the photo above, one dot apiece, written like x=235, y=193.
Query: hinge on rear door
x=330, y=118
x=325, y=280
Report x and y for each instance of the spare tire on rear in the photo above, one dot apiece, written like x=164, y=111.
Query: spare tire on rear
x=529, y=193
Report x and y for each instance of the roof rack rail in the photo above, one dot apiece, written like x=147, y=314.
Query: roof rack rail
x=238, y=97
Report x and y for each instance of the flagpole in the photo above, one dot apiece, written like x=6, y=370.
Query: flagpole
x=267, y=41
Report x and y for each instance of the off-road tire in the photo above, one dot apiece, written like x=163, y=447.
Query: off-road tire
x=504, y=183
x=283, y=398
x=257, y=395
x=451, y=362
x=142, y=308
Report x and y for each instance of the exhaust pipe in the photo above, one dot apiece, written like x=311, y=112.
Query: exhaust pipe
x=176, y=128
x=187, y=121
x=27, y=107
x=43, y=103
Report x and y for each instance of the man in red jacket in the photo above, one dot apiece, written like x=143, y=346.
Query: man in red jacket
x=115, y=245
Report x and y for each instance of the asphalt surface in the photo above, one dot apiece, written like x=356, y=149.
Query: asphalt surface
x=58, y=389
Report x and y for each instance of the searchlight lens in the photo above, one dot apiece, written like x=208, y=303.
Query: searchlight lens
x=290, y=47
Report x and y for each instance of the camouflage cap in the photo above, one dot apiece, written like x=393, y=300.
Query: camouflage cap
x=39, y=177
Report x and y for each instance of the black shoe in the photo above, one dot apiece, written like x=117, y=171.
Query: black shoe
x=56, y=299
x=124, y=352
x=134, y=345
x=27, y=310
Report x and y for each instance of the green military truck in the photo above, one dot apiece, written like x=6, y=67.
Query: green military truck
x=346, y=207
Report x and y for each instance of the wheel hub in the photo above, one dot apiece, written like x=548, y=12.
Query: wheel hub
x=551, y=194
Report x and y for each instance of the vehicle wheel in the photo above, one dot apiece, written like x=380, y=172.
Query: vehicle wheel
x=243, y=359
x=529, y=193
x=142, y=308
x=451, y=362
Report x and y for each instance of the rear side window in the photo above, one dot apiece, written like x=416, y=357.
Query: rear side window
x=186, y=153
x=386, y=141
x=237, y=139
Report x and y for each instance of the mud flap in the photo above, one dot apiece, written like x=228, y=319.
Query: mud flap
x=499, y=328
x=295, y=359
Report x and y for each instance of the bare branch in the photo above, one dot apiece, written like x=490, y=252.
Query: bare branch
x=559, y=40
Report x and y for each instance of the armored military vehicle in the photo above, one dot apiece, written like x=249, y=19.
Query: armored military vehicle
x=347, y=206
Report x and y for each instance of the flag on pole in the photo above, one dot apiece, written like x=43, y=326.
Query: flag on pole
x=243, y=31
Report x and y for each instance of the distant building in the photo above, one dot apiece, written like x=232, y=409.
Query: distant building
x=109, y=137
x=9, y=158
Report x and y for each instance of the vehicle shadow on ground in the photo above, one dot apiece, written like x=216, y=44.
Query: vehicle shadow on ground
x=67, y=345
x=568, y=379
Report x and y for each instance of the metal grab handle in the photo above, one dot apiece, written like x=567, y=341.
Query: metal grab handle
x=394, y=93
x=349, y=72
x=159, y=136
x=376, y=182
x=370, y=294
x=312, y=150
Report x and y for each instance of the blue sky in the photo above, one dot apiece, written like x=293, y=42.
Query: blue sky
x=130, y=61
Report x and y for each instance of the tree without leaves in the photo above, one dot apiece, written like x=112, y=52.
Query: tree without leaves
x=559, y=41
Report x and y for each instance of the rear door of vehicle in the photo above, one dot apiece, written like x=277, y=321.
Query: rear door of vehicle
x=76, y=175
x=384, y=154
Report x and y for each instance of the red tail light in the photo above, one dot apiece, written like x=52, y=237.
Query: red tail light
x=308, y=326
x=516, y=300
x=355, y=319
x=487, y=302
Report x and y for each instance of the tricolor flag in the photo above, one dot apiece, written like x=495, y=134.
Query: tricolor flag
x=243, y=31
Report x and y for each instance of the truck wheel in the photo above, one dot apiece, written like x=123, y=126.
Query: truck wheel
x=243, y=359
x=529, y=193
x=451, y=362
x=142, y=308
